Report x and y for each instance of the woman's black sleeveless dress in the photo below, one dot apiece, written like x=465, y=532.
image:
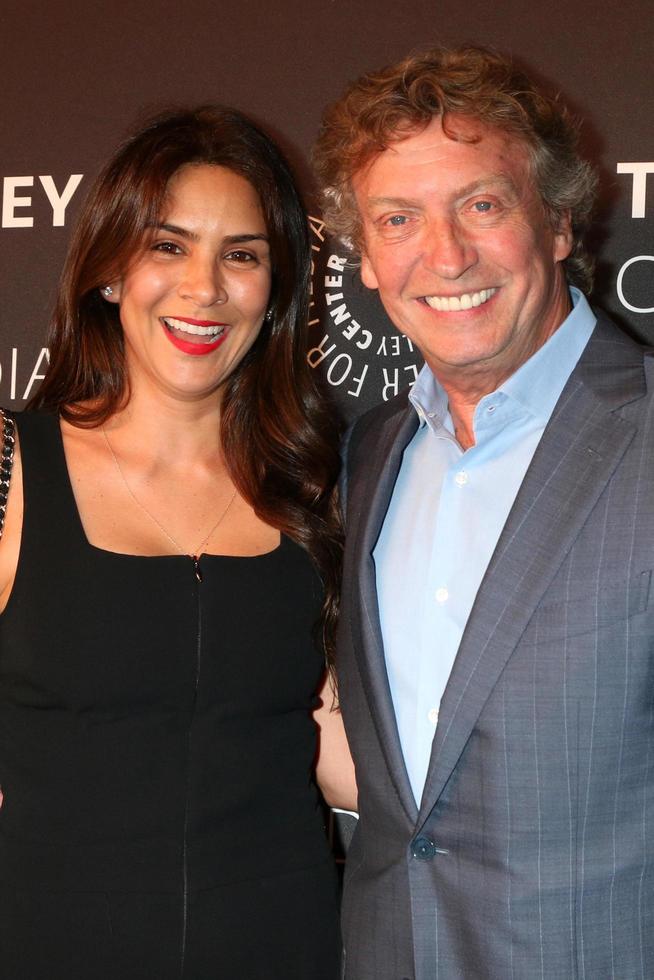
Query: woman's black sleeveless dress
x=159, y=819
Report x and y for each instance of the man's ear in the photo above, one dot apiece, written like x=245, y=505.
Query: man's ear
x=563, y=238
x=368, y=277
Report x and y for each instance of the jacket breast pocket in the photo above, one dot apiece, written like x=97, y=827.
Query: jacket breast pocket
x=611, y=603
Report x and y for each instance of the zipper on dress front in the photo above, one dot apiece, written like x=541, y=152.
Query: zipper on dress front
x=198, y=656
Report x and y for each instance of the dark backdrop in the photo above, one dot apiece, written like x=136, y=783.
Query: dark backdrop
x=76, y=75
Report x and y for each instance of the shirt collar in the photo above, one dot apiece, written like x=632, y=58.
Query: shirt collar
x=429, y=399
x=537, y=384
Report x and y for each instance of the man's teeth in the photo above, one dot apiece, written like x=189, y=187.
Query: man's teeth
x=193, y=328
x=450, y=304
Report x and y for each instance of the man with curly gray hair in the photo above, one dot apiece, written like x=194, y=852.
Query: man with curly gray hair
x=495, y=662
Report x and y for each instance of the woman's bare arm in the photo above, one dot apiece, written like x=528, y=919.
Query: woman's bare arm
x=334, y=767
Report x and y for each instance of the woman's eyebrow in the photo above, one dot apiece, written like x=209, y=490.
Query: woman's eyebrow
x=192, y=236
x=231, y=239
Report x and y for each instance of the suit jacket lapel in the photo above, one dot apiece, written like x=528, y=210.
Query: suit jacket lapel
x=578, y=452
x=371, y=489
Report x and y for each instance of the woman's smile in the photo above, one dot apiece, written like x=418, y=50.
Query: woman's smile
x=194, y=336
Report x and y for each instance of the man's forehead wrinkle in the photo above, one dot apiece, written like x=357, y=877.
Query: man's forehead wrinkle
x=468, y=133
x=466, y=130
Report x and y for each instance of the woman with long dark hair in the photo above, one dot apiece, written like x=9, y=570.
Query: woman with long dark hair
x=171, y=541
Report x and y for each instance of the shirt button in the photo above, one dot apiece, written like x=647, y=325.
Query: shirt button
x=432, y=716
x=461, y=478
x=490, y=409
x=442, y=595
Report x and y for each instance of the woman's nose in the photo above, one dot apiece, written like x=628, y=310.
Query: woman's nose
x=202, y=284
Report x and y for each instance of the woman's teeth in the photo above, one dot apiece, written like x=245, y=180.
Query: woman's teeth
x=193, y=328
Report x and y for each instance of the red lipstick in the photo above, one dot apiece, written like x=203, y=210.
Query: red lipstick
x=199, y=347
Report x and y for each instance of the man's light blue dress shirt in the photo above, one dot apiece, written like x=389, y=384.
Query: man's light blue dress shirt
x=445, y=518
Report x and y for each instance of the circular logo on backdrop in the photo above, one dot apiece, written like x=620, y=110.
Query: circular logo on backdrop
x=363, y=358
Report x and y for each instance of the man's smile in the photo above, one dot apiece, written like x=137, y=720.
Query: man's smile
x=464, y=301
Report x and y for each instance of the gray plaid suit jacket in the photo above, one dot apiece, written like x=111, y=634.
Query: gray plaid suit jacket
x=531, y=853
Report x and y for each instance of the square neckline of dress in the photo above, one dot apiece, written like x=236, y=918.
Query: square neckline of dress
x=126, y=554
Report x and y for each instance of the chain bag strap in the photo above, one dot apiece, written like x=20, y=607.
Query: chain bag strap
x=6, y=462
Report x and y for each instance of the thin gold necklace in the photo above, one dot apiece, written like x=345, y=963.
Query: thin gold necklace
x=195, y=555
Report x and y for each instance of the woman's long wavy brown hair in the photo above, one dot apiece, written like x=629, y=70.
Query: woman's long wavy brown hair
x=279, y=436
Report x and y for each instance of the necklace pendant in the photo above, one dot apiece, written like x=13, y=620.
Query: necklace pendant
x=196, y=567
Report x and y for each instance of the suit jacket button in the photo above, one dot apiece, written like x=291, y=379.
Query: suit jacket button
x=423, y=848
